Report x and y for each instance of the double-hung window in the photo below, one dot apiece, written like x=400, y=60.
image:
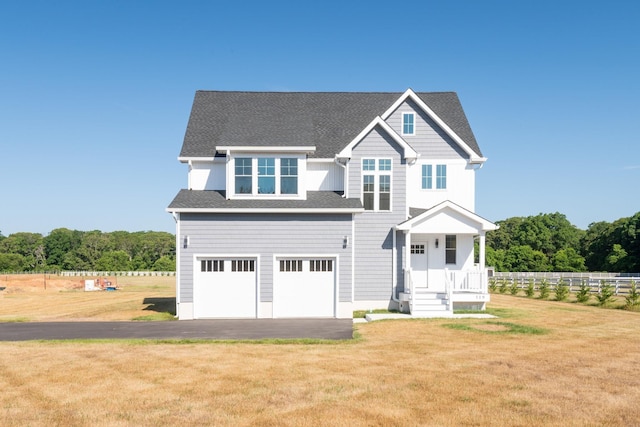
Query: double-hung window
x=376, y=184
x=289, y=176
x=266, y=175
x=450, y=249
x=244, y=176
x=408, y=123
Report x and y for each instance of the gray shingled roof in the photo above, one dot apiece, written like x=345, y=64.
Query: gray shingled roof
x=212, y=199
x=326, y=120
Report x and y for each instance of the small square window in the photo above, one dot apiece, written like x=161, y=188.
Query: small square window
x=368, y=164
x=384, y=164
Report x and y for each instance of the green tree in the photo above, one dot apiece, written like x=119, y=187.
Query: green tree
x=11, y=262
x=59, y=243
x=113, y=261
x=568, y=260
x=29, y=246
x=165, y=263
x=524, y=258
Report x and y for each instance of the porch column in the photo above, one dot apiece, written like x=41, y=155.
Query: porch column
x=407, y=258
x=481, y=244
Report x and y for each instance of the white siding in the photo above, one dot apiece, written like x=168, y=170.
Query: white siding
x=207, y=176
x=324, y=176
x=460, y=184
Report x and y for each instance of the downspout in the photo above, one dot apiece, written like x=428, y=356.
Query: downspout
x=344, y=176
x=394, y=261
x=176, y=218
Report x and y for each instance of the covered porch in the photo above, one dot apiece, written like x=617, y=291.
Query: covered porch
x=440, y=272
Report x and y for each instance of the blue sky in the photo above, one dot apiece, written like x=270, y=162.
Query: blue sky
x=95, y=95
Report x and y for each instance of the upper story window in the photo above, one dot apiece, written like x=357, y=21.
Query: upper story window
x=408, y=123
x=289, y=176
x=266, y=175
x=441, y=176
x=376, y=184
x=427, y=177
x=243, y=175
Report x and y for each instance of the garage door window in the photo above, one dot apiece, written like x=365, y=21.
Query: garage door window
x=239, y=265
x=318, y=265
x=209, y=265
x=290, y=265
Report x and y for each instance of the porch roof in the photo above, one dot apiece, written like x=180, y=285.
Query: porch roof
x=446, y=217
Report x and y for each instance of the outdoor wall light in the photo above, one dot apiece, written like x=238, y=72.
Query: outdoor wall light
x=437, y=243
x=186, y=241
x=345, y=241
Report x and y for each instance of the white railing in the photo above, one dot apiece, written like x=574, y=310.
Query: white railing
x=468, y=281
x=408, y=281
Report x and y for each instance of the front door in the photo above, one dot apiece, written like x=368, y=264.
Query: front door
x=419, y=264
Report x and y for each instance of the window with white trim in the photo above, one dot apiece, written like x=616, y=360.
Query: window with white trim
x=289, y=176
x=376, y=184
x=243, y=175
x=408, y=123
x=266, y=176
x=450, y=249
x=427, y=177
x=441, y=177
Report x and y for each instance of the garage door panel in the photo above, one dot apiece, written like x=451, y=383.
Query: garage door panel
x=304, y=292
x=225, y=288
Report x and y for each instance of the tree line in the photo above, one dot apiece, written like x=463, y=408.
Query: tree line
x=64, y=249
x=549, y=242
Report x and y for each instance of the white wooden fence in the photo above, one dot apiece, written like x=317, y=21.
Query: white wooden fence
x=621, y=282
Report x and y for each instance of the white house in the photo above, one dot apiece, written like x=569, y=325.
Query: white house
x=314, y=204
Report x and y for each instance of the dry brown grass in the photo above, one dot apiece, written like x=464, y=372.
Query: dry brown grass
x=26, y=298
x=583, y=371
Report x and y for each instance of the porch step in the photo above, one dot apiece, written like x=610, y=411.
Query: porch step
x=425, y=302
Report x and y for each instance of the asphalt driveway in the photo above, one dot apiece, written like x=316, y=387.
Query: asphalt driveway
x=224, y=329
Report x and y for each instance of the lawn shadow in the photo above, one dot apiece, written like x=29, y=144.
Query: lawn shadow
x=161, y=305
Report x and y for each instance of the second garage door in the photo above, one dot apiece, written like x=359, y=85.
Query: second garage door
x=304, y=287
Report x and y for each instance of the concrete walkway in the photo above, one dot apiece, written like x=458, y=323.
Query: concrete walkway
x=227, y=329
x=371, y=317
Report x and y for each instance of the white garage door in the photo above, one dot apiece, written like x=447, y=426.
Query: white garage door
x=304, y=287
x=224, y=288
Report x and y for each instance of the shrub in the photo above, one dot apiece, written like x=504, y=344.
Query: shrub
x=503, y=286
x=584, y=292
x=562, y=290
x=633, y=297
x=606, y=293
x=544, y=289
x=493, y=285
x=513, y=289
x=531, y=288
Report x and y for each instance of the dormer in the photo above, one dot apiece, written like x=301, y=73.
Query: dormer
x=266, y=172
